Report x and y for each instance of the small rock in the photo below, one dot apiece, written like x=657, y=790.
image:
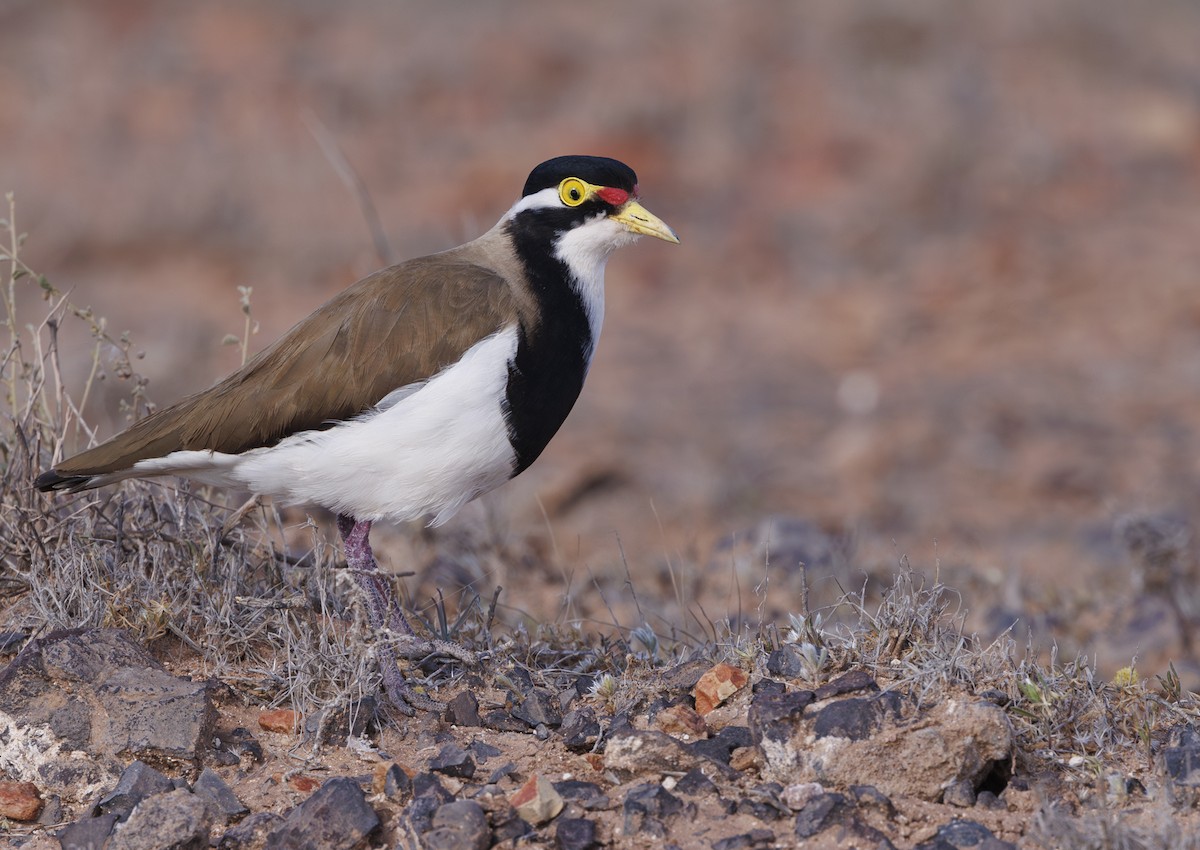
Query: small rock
x=87, y=834
x=581, y=792
x=210, y=786
x=797, y=796
x=848, y=683
x=717, y=685
x=764, y=802
x=633, y=753
x=787, y=662
x=647, y=808
x=695, y=782
x=820, y=813
x=460, y=825
x=250, y=833
x=747, y=841
x=720, y=747
x=501, y=772
x=575, y=834
x=743, y=759
x=428, y=785
x=304, y=783
x=539, y=708
x=20, y=801
x=391, y=780
x=137, y=782
x=278, y=720
x=241, y=742
x=870, y=797
x=768, y=686
x=52, y=811
x=336, y=817
x=1182, y=764
x=177, y=820
x=537, y=801
x=854, y=718
x=501, y=721
x=969, y=834
x=773, y=716
x=681, y=719
x=960, y=793
x=988, y=800
x=580, y=729
x=453, y=760
x=463, y=710
x=483, y=751
x=339, y=722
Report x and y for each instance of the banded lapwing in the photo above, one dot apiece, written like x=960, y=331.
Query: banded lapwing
x=416, y=390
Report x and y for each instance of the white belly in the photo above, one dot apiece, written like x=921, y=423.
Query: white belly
x=428, y=454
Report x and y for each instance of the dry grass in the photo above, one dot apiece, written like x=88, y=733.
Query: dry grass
x=161, y=560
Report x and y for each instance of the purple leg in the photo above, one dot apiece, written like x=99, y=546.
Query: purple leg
x=381, y=603
x=382, y=610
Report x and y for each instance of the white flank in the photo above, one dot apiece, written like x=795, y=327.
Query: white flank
x=425, y=453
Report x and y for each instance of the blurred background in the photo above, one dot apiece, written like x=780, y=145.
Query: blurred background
x=936, y=299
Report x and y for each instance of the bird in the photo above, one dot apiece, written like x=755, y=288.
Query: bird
x=412, y=392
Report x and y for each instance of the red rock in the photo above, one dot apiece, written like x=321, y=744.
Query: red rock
x=718, y=685
x=20, y=801
x=682, y=720
x=278, y=720
x=536, y=801
x=304, y=783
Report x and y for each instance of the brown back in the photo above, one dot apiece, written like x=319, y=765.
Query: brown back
x=397, y=326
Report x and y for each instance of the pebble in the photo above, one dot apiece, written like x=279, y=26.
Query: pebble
x=335, y=817
x=20, y=801
x=278, y=720
x=536, y=801
x=453, y=760
x=717, y=685
x=463, y=710
x=575, y=834
x=460, y=825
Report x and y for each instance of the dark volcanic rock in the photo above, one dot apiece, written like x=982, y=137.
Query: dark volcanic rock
x=251, y=832
x=335, y=817
x=580, y=729
x=460, y=825
x=963, y=834
x=848, y=683
x=87, y=834
x=463, y=710
x=575, y=834
x=695, y=782
x=501, y=721
x=647, y=810
x=453, y=760
x=820, y=813
x=756, y=838
x=177, y=820
x=787, y=662
x=773, y=715
x=539, y=708
x=210, y=786
x=720, y=746
x=854, y=718
x=138, y=782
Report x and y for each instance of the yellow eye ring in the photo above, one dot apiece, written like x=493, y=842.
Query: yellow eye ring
x=573, y=191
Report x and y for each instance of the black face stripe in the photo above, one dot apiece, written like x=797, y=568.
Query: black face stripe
x=597, y=170
x=547, y=372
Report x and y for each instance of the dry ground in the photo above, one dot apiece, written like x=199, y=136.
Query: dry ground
x=936, y=296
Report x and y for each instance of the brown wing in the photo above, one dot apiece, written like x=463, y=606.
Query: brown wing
x=397, y=326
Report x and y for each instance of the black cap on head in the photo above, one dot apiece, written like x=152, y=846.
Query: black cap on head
x=597, y=170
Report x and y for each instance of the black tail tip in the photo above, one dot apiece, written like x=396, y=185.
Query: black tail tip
x=51, y=480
